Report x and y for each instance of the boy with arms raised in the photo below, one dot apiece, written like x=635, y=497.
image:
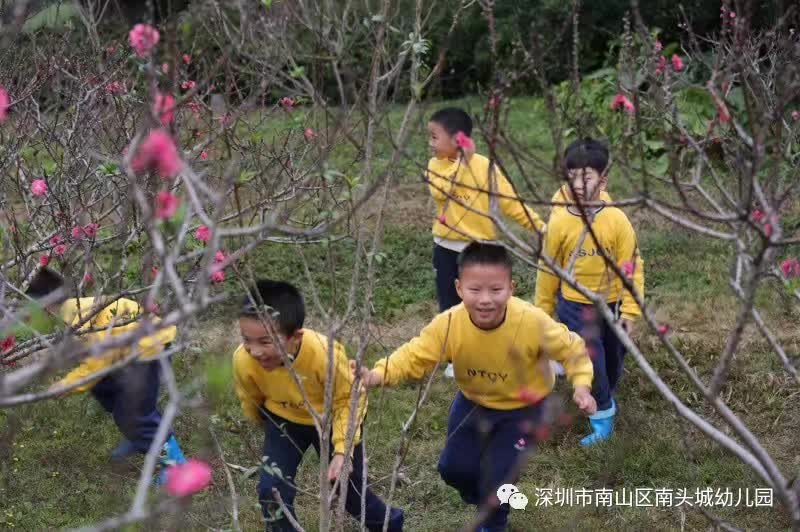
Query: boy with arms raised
x=499, y=346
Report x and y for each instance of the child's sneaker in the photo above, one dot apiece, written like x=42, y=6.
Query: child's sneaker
x=171, y=454
x=124, y=450
x=448, y=372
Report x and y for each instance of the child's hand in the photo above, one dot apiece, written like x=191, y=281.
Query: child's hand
x=583, y=398
x=335, y=467
x=370, y=379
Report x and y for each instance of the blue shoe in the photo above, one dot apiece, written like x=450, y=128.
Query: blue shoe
x=125, y=449
x=171, y=454
x=602, y=424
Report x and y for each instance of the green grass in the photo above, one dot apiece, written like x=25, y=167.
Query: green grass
x=54, y=471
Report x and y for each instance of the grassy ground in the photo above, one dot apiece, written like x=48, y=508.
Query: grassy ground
x=54, y=471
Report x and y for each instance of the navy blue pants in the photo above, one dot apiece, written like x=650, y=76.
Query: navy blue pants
x=130, y=395
x=285, y=443
x=445, y=262
x=605, y=349
x=483, y=445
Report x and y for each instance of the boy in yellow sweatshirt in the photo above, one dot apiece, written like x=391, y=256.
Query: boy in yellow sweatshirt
x=499, y=346
x=270, y=396
x=459, y=183
x=567, y=240
x=129, y=394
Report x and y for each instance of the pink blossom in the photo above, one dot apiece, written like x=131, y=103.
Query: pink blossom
x=442, y=219
x=622, y=102
x=194, y=107
x=158, y=152
x=44, y=260
x=8, y=343
x=219, y=256
x=188, y=85
x=187, y=59
x=39, y=187
x=166, y=205
x=164, y=107
x=494, y=101
x=758, y=215
x=218, y=276
x=662, y=64
x=732, y=14
x=768, y=229
x=663, y=329
x=143, y=38
x=165, y=68
x=795, y=115
x=677, y=63
x=203, y=155
x=287, y=103
x=203, y=233
x=659, y=46
x=112, y=49
x=790, y=268
x=90, y=230
x=5, y=103
x=151, y=306
x=78, y=232
x=188, y=478
x=465, y=142
x=88, y=278
x=55, y=240
x=115, y=87
x=628, y=267
x=309, y=134
x=199, y=134
x=60, y=249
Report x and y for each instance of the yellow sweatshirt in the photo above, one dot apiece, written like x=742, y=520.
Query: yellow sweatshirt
x=448, y=180
x=73, y=311
x=491, y=367
x=616, y=234
x=277, y=392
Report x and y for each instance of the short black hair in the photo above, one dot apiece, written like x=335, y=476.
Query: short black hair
x=489, y=254
x=586, y=153
x=44, y=283
x=284, y=299
x=453, y=120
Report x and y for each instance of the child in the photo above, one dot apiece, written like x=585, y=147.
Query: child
x=499, y=346
x=454, y=183
x=270, y=396
x=129, y=394
x=587, y=168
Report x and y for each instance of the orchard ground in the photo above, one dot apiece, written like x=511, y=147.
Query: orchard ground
x=54, y=469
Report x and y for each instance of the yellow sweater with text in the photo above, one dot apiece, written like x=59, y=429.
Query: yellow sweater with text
x=615, y=232
x=492, y=366
x=276, y=391
x=453, y=182
x=73, y=311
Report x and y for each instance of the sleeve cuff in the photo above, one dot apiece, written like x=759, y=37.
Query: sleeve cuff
x=582, y=380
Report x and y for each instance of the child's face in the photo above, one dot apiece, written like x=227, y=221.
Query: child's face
x=485, y=290
x=442, y=144
x=587, y=183
x=259, y=342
